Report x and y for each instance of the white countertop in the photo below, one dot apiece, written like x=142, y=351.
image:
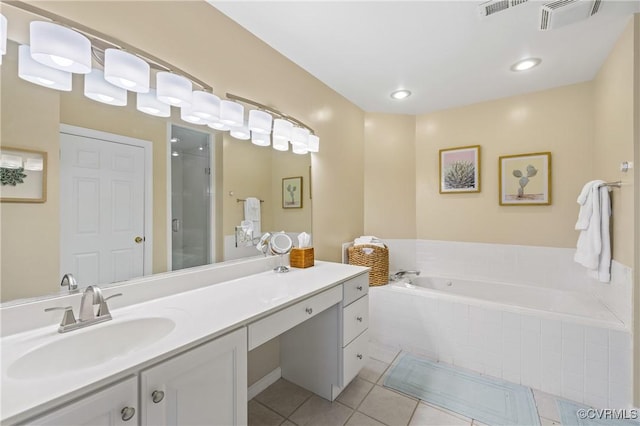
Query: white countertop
x=200, y=315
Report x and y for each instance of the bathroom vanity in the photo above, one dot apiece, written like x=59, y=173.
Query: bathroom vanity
x=182, y=358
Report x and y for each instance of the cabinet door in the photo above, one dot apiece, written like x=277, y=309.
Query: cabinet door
x=115, y=405
x=204, y=386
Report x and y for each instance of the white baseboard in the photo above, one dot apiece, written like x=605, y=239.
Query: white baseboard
x=264, y=383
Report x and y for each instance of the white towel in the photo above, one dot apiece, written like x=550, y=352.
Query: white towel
x=252, y=213
x=368, y=239
x=594, y=243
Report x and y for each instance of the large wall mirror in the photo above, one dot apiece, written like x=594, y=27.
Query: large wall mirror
x=198, y=181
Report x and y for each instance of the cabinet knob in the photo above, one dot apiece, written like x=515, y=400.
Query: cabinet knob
x=359, y=356
x=157, y=396
x=128, y=413
x=359, y=288
x=309, y=311
x=138, y=240
x=359, y=319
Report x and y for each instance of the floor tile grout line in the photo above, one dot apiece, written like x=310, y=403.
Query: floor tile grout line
x=270, y=409
x=298, y=407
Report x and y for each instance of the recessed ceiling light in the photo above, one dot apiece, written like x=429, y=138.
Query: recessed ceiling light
x=400, y=94
x=526, y=64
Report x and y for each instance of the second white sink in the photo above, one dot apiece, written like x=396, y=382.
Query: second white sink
x=90, y=347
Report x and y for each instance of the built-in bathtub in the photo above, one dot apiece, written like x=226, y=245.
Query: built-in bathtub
x=566, y=343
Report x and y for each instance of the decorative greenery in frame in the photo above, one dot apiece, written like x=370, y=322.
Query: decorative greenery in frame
x=292, y=192
x=525, y=179
x=24, y=180
x=460, y=169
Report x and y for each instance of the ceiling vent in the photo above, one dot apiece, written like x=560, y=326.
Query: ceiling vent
x=565, y=12
x=494, y=6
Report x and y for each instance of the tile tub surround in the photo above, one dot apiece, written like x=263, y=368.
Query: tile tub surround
x=583, y=363
x=529, y=265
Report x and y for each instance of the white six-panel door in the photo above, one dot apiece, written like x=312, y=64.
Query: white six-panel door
x=101, y=209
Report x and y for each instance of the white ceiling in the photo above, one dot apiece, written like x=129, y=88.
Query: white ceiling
x=440, y=50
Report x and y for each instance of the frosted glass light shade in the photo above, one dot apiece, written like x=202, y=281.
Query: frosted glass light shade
x=98, y=89
x=34, y=164
x=206, y=105
x=314, y=143
x=300, y=136
x=3, y=35
x=126, y=71
x=60, y=47
x=173, y=89
x=260, y=121
x=282, y=130
x=260, y=139
x=218, y=126
x=240, y=132
x=280, y=144
x=231, y=113
x=36, y=73
x=149, y=104
x=187, y=114
x=299, y=149
x=8, y=161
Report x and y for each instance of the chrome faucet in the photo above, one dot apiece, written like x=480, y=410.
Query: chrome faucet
x=69, y=281
x=401, y=273
x=91, y=297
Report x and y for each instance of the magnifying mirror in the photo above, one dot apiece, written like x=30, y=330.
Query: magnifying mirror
x=280, y=244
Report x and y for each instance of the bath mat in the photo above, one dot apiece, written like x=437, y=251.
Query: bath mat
x=570, y=414
x=490, y=401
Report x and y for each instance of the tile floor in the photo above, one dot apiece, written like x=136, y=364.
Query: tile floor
x=365, y=402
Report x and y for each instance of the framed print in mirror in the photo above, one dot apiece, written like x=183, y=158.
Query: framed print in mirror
x=525, y=179
x=23, y=175
x=460, y=169
x=292, y=192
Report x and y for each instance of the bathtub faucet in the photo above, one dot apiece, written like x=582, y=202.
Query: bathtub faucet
x=401, y=273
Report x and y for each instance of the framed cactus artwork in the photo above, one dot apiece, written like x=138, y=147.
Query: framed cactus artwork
x=460, y=169
x=525, y=179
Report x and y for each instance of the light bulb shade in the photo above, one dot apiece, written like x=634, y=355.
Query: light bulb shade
x=218, y=126
x=3, y=35
x=260, y=139
x=34, y=164
x=299, y=149
x=126, y=71
x=240, y=132
x=282, y=130
x=231, y=113
x=98, y=89
x=300, y=136
x=149, y=104
x=314, y=143
x=280, y=144
x=206, y=105
x=60, y=47
x=36, y=73
x=173, y=89
x=10, y=161
x=186, y=113
x=260, y=121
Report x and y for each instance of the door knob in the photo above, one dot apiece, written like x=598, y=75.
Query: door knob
x=138, y=240
x=157, y=396
x=128, y=413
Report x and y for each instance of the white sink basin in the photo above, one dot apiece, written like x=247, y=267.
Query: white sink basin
x=90, y=347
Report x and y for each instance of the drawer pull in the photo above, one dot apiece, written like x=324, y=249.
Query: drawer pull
x=128, y=413
x=309, y=311
x=359, y=288
x=359, y=319
x=359, y=356
x=157, y=396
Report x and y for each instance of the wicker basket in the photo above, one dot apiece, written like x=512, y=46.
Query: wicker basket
x=377, y=260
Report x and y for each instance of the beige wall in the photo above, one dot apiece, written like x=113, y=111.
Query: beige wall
x=636, y=275
x=290, y=165
x=390, y=167
x=613, y=134
x=559, y=121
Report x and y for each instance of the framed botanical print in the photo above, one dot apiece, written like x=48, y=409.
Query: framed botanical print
x=23, y=175
x=292, y=192
x=525, y=179
x=460, y=169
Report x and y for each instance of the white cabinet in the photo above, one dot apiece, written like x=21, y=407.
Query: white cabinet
x=204, y=386
x=115, y=405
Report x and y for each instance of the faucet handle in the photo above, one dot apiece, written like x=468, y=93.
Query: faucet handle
x=103, y=309
x=68, y=318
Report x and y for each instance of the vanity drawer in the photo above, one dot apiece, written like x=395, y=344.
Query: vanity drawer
x=355, y=356
x=355, y=288
x=275, y=324
x=355, y=319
